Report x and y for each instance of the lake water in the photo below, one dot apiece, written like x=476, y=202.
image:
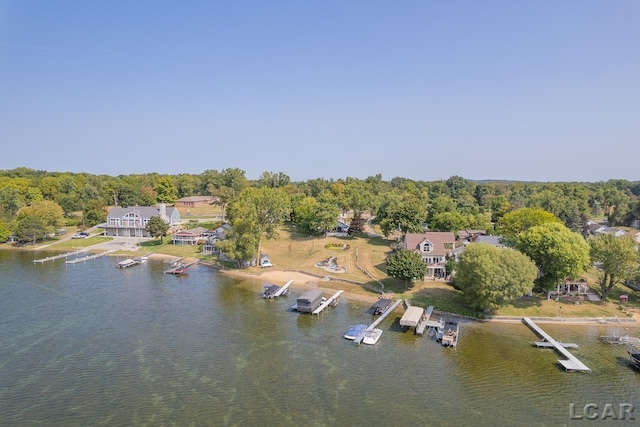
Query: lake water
x=90, y=344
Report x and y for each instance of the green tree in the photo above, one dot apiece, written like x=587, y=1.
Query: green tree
x=315, y=217
x=166, y=189
x=513, y=223
x=5, y=232
x=94, y=213
x=558, y=252
x=157, y=227
x=491, y=277
x=406, y=266
x=617, y=260
x=263, y=209
x=448, y=221
x=36, y=221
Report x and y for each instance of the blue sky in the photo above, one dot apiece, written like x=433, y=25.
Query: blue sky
x=541, y=90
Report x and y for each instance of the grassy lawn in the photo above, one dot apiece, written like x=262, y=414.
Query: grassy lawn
x=295, y=251
x=79, y=243
x=166, y=247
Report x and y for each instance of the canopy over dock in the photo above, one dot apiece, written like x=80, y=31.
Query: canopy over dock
x=412, y=316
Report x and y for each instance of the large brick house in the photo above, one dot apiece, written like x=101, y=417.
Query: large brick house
x=434, y=247
x=131, y=221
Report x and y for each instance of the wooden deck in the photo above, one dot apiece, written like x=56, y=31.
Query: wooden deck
x=328, y=302
x=372, y=326
x=572, y=363
x=425, y=320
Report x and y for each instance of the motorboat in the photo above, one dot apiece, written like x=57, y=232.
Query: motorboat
x=354, y=331
x=372, y=337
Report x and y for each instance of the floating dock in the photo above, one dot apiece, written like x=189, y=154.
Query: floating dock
x=55, y=257
x=89, y=257
x=332, y=300
x=572, y=363
x=372, y=326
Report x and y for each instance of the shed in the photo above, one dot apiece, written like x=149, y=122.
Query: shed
x=412, y=316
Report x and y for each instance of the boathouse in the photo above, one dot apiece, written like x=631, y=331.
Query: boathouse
x=381, y=306
x=309, y=301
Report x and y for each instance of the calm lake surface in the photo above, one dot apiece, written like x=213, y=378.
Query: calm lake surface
x=90, y=344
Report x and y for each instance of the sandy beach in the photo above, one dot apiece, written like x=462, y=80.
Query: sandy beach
x=304, y=281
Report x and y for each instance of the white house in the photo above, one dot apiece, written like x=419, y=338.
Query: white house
x=434, y=247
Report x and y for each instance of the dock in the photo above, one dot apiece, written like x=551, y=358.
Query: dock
x=372, y=326
x=331, y=300
x=55, y=257
x=179, y=269
x=422, y=325
x=128, y=263
x=89, y=257
x=283, y=289
x=572, y=363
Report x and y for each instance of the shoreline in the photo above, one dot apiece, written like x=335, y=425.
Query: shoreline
x=357, y=292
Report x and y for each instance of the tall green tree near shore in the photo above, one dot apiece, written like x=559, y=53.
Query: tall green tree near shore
x=263, y=208
x=406, y=266
x=491, y=277
x=616, y=258
x=558, y=252
x=4, y=231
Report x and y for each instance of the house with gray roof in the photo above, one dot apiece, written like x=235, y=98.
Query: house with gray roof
x=132, y=221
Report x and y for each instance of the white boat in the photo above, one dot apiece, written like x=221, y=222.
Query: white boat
x=354, y=331
x=372, y=337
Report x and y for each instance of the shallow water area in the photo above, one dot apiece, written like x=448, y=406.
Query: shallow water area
x=89, y=343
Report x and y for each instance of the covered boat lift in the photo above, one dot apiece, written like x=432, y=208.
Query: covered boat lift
x=412, y=316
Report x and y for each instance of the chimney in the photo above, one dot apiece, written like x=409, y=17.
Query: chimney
x=163, y=212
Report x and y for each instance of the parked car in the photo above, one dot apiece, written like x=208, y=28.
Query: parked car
x=80, y=235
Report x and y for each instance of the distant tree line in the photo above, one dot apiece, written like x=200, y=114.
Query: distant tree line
x=396, y=205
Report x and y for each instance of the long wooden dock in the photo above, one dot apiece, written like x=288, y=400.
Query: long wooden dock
x=89, y=257
x=372, y=326
x=283, y=288
x=572, y=363
x=59, y=256
x=326, y=304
